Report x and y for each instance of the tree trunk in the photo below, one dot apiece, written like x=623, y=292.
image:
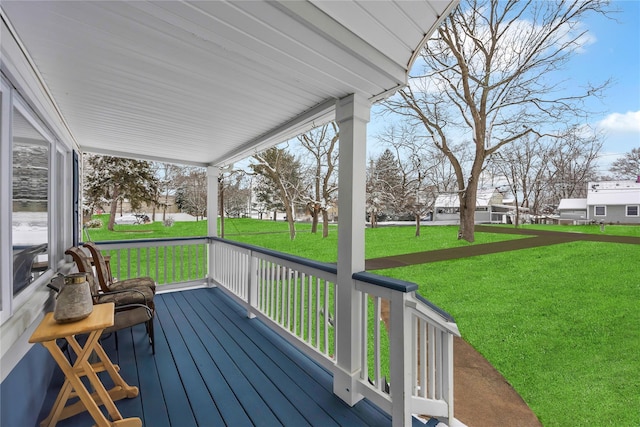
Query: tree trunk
x=314, y=209
x=417, y=225
x=112, y=214
x=325, y=223
x=468, y=213
x=517, y=219
x=292, y=227
x=164, y=207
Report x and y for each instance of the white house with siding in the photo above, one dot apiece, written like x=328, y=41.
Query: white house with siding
x=611, y=202
x=491, y=207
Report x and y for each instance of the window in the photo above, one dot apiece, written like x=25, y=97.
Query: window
x=632, y=210
x=35, y=197
x=600, y=211
x=29, y=199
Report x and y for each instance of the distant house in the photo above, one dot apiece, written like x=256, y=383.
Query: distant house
x=573, y=210
x=490, y=207
x=612, y=202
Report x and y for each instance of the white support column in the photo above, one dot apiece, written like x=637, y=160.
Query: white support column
x=352, y=116
x=213, y=172
x=401, y=339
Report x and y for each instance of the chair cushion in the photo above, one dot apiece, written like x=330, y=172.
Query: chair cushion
x=141, y=295
x=134, y=282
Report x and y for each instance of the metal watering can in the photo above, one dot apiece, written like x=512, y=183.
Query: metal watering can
x=73, y=301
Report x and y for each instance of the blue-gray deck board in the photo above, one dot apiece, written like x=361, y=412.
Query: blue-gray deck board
x=213, y=366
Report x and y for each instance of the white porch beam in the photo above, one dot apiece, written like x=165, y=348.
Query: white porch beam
x=213, y=172
x=352, y=116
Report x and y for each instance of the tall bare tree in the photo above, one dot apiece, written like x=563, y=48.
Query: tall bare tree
x=191, y=193
x=166, y=174
x=321, y=144
x=487, y=79
x=281, y=170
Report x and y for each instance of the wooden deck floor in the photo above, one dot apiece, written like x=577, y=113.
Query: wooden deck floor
x=214, y=367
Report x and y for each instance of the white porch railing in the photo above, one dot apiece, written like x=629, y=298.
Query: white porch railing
x=293, y=295
x=408, y=352
x=172, y=263
x=407, y=346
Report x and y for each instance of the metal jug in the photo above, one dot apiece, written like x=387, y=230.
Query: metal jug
x=74, y=300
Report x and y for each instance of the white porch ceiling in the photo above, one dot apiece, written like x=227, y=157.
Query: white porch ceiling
x=206, y=82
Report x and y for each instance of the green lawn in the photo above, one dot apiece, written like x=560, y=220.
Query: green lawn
x=560, y=322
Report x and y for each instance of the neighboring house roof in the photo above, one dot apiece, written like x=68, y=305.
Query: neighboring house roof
x=613, y=193
x=572, y=204
x=484, y=198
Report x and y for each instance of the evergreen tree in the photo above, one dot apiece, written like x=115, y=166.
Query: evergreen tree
x=110, y=180
x=384, y=187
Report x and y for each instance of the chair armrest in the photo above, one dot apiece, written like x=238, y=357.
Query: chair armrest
x=132, y=306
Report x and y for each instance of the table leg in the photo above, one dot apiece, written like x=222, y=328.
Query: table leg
x=129, y=391
x=83, y=363
x=122, y=389
x=88, y=401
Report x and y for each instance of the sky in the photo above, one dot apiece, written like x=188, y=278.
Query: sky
x=613, y=52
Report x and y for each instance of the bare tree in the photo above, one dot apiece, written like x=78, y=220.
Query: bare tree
x=237, y=194
x=571, y=165
x=321, y=144
x=422, y=169
x=628, y=166
x=166, y=174
x=487, y=80
x=233, y=195
x=524, y=165
x=281, y=170
x=191, y=193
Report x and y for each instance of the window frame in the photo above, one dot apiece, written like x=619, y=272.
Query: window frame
x=27, y=112
x=595, y=210
x=6, y=257
x=626, y=210
x=59, y=202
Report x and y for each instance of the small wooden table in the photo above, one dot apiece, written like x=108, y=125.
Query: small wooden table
x=47, y=332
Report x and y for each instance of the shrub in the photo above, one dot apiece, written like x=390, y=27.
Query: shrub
x=168, y=222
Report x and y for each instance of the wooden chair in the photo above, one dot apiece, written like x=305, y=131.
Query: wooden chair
x=132, y=306
x=106, y=280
